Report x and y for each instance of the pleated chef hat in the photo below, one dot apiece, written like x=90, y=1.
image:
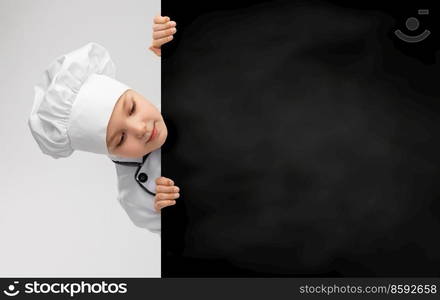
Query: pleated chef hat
x=73, y=104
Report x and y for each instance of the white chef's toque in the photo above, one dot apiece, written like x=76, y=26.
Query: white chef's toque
x=73, y=104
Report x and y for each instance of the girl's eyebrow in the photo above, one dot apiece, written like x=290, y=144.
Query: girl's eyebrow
x=125, y=103
x=111, y=143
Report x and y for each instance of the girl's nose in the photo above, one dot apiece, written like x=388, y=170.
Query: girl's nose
x=139, y=129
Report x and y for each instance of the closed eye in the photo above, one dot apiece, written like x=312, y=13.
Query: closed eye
x=121, y=141
x=133, y=108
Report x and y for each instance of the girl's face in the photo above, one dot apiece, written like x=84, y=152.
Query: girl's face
x=136, y=127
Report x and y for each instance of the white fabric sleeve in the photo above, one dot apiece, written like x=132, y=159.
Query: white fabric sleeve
x=138, y=204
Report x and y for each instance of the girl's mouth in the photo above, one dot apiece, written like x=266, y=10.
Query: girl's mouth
x=153, y=134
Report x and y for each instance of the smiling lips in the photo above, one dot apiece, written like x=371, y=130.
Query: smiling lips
x=153, y=134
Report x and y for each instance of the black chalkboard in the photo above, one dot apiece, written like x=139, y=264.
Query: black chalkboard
x=305, y=138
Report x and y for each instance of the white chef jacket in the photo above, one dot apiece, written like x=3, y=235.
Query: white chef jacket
x=134, y=192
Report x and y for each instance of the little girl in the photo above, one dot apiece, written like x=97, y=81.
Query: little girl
x=81, y=106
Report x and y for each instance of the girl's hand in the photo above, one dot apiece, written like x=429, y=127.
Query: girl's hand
x=166, y=193
x=163, y=30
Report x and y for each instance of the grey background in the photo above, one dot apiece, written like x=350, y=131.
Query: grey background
x=61, y=217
